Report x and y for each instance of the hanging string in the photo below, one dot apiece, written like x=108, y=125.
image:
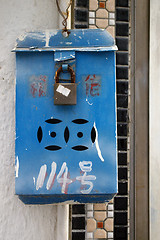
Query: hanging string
x=64, y=22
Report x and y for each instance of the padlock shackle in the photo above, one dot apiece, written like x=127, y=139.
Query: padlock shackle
x=70, y=70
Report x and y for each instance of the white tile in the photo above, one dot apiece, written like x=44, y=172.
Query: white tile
x=110, y=234
x=110, y=214
x=92, y=14
x=112, y=15
x=89, y=235
x=90, y=214
x=110, y=206
x=111, y=22
x=90, y=207
x=91, y=21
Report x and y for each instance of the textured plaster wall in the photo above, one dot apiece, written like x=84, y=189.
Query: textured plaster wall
x=17, y=221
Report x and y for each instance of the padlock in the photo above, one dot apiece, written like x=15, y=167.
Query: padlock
x=65, y=93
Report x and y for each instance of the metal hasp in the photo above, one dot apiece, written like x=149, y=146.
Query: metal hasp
x=66, y=153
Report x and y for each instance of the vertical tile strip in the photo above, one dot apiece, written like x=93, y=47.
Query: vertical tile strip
x=121, y=206
x=78, y=221
x=81, y=18
x=100, y=217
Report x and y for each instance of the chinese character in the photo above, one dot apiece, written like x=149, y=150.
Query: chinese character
x=86, y=166
x=93, y=84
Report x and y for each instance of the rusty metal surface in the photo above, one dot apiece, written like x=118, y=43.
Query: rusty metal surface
x=70, y=70
x=65, y=93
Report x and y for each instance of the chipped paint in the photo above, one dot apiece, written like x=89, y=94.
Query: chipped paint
x=38, y=35
x=97, y=144
x=68, y=43
x=47, y=38
x=17, y=167
x=63, y=90
x=34, y=180
x=79, y=39
x=64, y=55
x=41, y=177
x=22, y=37
x=91, y=49
x=89, y=102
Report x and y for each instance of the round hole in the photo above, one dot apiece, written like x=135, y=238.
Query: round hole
x=65, y=34
x=53, y=134
x=79, y=134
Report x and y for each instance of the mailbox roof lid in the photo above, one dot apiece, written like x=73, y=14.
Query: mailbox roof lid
x=78, y=39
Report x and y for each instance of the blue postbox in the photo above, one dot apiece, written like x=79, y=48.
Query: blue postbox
x=65, y=150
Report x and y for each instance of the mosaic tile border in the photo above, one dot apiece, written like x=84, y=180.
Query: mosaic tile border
x=99, y=219
x=102, y=15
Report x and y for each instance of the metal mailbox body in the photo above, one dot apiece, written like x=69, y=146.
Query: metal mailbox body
x=65, y=152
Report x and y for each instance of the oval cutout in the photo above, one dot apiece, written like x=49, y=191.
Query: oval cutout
x=53, y=148
x=80, y=148
x=93, y=135
x=66, y=134
x=53, y=121
x=39, y=134
x=80, y=121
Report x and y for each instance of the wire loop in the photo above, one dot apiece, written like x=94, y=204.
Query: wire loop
x=64, y=22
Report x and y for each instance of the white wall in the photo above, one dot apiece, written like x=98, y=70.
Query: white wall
x=154, y=120
x=18, y=221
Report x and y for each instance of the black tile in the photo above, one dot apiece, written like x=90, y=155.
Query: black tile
x=120, y=218
x=78, y=235
x=122, y=3
x=122, y=101
x=78, y=223
x=121, y=58
x=122, y=14
x=122, y=144
x=81, y=15
x=120, y=233
x=81, y=26
x=122, y=72
x=122, y=129
x=122, y=188
x=122, y=44
x=122, y=115
x=122, y=87
x=122, y=29
x=82, y=3
x=122, y=174
x=78, y=209
x=122, y=159
x=120, y=203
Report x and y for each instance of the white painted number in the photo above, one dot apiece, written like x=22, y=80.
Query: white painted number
x=62, y=177
x=64, y=180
